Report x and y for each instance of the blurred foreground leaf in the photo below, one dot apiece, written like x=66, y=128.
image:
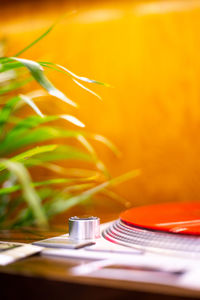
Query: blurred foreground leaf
x=28, y=192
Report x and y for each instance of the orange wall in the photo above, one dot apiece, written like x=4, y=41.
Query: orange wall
x=150, y=54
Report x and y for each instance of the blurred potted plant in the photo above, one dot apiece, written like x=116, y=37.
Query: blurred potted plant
x=24, y=202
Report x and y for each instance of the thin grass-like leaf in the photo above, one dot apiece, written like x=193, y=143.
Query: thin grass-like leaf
x=6, y=111
x=76, y=81
x=112, y=182
x=77, y=187
x=37, y=93
x=7, y=221
x=24, y=217
x=8, y=65
x=29, y=193
x=32, y=152
x=13, y=86
x=10, y=208
x=88, y=90
x=78, y=173
x=31, y=122
x=44, y=34
x=61, y=203
x=71, y=74
x=36, y=40
x=6, y=77
x=38, y=74
x=31, y=103
x=34, y=121
x=24, y=137
x=102, y=139
x=62, y=153
x=90, y=149
x=86, y=144
x=35, y=151
x=114, y=196
x=72, y=120
x=85, y=174
x=9, y=107
x=16, y=187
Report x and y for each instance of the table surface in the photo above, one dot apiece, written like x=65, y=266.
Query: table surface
x=42, y=276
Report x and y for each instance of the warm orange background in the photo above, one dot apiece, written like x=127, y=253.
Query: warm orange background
x=150, y=54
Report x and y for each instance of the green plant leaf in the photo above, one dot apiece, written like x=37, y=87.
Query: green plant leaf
x=27, y=154
x=87, y=89
x=7, y=64
x=28, y=192
x=36, y=40
x=13, y=86
x=71, y=74
x=46, y=32
x=61, y=203
x=6, y=111
x=71, y=119
x=90, y=149
x=61, y=153
x=102, y=139
x=9, y=107
x=9, y=209
x=7, y=77
x=11, y=220
x=115, y=196
x=34, y=121
x=16, y=187
x=32, y=152
x=77, y=187
x=29, y=131
x=25, y=137
x=76, y=81
x=31, y=122
x=38, y=74
x=31, y=103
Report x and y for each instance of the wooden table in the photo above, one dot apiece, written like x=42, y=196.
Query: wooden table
x=40, y=277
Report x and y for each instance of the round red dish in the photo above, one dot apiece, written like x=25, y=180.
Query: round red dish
x=170, y=217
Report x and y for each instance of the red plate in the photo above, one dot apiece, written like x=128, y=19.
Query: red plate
x=170, y=217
